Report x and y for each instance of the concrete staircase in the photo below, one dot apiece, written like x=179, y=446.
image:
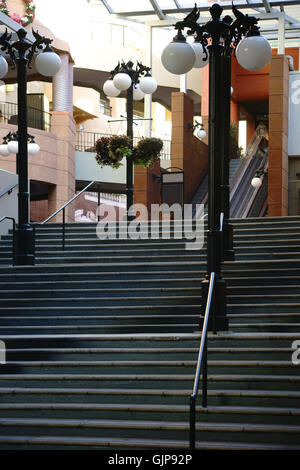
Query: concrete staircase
x=102, y=342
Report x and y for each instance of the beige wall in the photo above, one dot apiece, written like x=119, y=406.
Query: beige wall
x=54, y=164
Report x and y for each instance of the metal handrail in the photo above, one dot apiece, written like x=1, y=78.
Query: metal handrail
x=9, y=190
x=202, y=357
x=14, y=236
x=221, y=221
x=201, y=367
x=62, y=208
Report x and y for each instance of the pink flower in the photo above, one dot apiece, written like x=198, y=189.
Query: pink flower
x=16, y=17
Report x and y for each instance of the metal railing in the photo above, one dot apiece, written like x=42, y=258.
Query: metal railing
x=37, y=118
x=62, y=208
x=14, y=236
x=9, y=190
x=201, y=367
x=85, y=142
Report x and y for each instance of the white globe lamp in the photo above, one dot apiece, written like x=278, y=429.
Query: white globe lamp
x=148, y=84
x=256, y=182
x=3, y=66
x=138, y=94
x=201, y=55
x=4, y=150
x=13, y=146
x=48, y=63
x=122, y=81
x=201, y=134
x=33, y=148
x=178, y=57
x=110, y=90
x=253, y=52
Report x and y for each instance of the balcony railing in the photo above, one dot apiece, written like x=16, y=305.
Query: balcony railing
x=85, y=142
x=37, y=118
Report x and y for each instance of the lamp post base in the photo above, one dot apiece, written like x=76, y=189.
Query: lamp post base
x=228, y=251
x=218, y=320
x=24, y=245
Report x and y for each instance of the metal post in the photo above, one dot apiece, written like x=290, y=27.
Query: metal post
x=129, y=164
x=204, y=376
x=98, y=204
x=64, y=229
x=219, y=319
x=24, y=232
x=227, y=236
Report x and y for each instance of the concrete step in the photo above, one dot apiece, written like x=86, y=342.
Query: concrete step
x=11, y=442
x=249, y=398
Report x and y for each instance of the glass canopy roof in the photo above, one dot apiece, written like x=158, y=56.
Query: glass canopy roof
x=151, y=10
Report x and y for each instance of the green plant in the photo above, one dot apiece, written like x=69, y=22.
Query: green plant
x=111, y=150
x=235, y=151
x=147, y=151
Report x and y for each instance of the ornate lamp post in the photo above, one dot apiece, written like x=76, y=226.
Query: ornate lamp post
x=218, y=37
x=136, y=82
x=10, y=145
x=21, y=53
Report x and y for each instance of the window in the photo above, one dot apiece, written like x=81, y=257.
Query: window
x=105, y=108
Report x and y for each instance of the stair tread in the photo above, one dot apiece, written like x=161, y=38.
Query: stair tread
x=143, y=443
x=148, y=391
x=155, y=377
x=145, y=424
x=174, y=363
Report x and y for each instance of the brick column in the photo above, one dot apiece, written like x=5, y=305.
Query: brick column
x=146, y=189
x=187, y=151
x=64, y=127
x=278, y=137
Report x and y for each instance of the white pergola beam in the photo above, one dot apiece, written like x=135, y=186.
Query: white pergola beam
x=204, y=7
x=267, y=6
x=157, y=9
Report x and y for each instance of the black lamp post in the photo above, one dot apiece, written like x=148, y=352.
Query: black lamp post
x=136, y=82
x=216, y=39
x=21, y=53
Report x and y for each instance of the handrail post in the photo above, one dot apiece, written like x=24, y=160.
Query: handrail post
x=14, y=243
x=63, y=229
x=204, y=376
x=192, y=423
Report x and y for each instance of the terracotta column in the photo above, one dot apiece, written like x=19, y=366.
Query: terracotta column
x=278, y=137
x=146, y=188
x=187, y=151
x=63, y=126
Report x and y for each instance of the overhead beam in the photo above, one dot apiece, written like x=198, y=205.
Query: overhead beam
x=157, y=9
x=267, y=6
x=108, y=7
x=204, y=6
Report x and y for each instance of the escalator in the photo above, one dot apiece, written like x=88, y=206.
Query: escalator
x=245, y=201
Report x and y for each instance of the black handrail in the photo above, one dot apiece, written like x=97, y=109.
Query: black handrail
x=201, y=366
x=14, y=236
x=62, y=208
x=9, y=190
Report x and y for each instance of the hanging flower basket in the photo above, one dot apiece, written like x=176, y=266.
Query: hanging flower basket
x=26, y=19
x=111, y=150
x=147, y=151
